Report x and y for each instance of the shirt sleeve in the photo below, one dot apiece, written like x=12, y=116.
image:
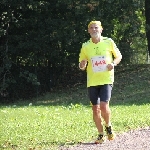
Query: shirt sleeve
x=82, y=55
x=115, y=50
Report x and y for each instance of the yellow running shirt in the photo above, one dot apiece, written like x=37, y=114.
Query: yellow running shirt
x=99, y=56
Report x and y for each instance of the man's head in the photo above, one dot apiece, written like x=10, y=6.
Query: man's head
x=95, y=22
x=95, y=29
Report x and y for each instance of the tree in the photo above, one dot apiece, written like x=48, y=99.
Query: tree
x=147, y=16
x=40, y=40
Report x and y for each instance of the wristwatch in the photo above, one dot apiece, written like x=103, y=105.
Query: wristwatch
x=114, y=63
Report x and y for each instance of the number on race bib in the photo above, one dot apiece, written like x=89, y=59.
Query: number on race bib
x=99, y=63
x=103, y=62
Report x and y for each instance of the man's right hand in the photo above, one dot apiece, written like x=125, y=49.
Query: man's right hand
x=82, y=64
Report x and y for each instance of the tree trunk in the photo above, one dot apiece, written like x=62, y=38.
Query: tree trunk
x=147, y=16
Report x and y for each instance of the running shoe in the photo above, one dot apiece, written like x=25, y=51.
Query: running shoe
x=100, y=139
x=109, y=133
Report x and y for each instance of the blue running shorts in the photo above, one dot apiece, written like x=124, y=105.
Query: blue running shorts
x=100, y=93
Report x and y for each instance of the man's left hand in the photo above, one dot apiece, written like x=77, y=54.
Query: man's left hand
x=110, y=66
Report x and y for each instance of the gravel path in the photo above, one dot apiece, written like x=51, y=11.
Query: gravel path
x=133, y=140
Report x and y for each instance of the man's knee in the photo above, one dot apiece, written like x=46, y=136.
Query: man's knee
x=104, y=107
x=96, y=109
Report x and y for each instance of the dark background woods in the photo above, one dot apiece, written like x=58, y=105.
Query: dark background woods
x=40, y=41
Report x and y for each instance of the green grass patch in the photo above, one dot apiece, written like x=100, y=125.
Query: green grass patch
x=65, y=117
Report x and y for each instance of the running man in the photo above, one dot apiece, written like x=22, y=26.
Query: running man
x=98, y=56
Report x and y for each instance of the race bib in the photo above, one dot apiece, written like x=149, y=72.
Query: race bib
x=99, y=63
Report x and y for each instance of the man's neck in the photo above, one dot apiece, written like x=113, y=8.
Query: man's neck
x=96, y=39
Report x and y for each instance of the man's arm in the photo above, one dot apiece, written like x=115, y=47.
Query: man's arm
x=82, y=64
x=115, y=62
x=117, y=59
x=117, y=56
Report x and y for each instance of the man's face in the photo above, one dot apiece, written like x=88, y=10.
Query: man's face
x=95, y=30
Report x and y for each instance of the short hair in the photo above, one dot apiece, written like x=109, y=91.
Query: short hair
x=95, y=22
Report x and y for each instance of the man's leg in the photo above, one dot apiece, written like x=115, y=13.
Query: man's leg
x=95, y=101
x=105, y=112
x=98, y=122
x=97, y=118
x=105, y=95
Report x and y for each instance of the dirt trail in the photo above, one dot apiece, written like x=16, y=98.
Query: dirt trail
x=133, y=140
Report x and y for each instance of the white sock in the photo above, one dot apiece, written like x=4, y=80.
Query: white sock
x=101, y=133
x=107, y=125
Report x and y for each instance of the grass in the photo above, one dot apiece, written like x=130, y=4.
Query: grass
x=65, y=117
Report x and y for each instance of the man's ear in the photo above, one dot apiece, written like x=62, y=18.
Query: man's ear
x=101, y=30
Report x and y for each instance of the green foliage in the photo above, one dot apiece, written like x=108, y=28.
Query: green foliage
x=40, y=40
